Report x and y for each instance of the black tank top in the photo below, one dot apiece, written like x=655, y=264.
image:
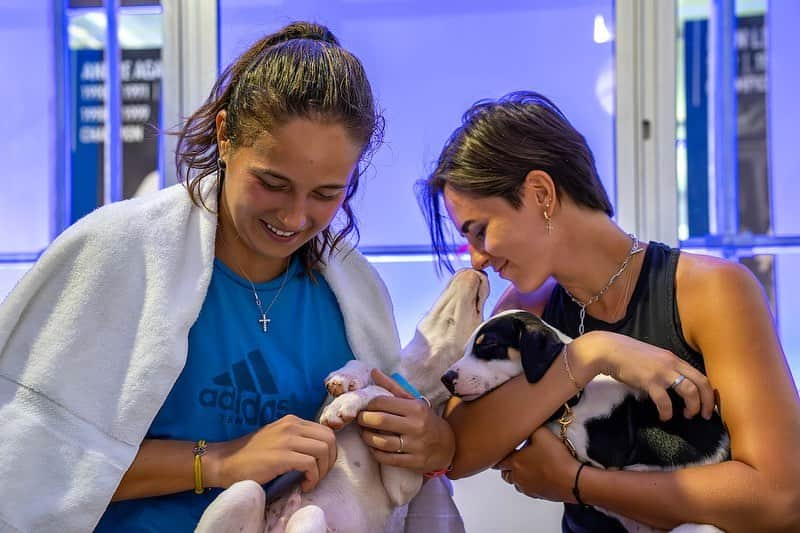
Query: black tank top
x=652, y=317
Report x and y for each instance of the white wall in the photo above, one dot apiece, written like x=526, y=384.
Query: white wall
x=428, y=61
x=28, y=93
x=10, y=273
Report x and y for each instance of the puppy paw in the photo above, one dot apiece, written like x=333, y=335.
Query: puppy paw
x=238, y=508
x=342, y=410
x=309, y=519
x=352, y=376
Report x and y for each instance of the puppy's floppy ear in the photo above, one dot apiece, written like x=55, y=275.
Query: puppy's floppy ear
x=539, y=347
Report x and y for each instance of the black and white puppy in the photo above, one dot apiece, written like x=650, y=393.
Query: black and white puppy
x=614, y=425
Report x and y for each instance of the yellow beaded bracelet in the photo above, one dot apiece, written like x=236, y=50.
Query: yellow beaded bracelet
x=199, y=451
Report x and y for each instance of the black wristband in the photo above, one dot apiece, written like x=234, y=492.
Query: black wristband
x=575, y=490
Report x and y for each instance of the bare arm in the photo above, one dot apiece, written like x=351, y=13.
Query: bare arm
x=488, y=429
x=725, y=315
x=729, y=495
x=290, y=443
x=161, y=467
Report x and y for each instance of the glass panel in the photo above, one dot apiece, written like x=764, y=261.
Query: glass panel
x=767, y=112
x=788, y=295
x=783, y=116
x=694, y=164
x=28, y=152
x=140, y=39
x=428, y=61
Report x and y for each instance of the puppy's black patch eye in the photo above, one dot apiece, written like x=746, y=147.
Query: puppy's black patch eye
x=494, y=339
x=490, y=351
x=490, y=346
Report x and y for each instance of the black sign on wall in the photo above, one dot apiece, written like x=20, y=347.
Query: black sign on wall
x=140, y=73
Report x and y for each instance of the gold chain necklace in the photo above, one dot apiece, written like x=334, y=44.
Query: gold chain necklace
x=635, y=249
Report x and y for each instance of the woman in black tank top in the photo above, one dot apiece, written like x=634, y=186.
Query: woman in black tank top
x=520, y=183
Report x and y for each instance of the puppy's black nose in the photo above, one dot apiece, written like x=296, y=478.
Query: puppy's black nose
x=449, y=380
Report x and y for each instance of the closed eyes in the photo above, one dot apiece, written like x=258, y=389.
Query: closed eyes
x=324, y=195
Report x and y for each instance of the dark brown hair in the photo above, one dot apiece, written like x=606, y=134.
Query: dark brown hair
x=498, y=143
x=299, y=71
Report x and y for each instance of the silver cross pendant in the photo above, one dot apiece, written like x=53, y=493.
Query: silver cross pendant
x=264, y=321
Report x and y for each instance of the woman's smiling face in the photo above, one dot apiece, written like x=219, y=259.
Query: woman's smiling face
x=283, y=190
x=511, y=241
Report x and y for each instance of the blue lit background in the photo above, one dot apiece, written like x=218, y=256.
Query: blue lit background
x=428, y=61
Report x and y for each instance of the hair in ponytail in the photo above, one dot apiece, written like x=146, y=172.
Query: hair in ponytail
x=300, y=71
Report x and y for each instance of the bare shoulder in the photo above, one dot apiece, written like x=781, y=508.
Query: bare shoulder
x=709, y=289
x=533, y=302
x=700, y=274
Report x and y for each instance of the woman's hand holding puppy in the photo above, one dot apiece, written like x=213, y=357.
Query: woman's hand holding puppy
x=289, y=443
x=542, y=469
x=427, y=444
x=644, y=367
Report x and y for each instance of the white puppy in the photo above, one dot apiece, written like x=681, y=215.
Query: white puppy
x=358, y=495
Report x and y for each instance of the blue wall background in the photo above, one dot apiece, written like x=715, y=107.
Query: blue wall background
x=428, y=61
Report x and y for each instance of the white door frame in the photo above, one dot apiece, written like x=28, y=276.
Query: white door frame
x=190, y=58
x=647, y=195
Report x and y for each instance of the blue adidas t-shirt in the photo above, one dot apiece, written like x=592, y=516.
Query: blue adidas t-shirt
x=238, y=378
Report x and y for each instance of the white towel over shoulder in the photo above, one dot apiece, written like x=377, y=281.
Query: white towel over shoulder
x=94, y=336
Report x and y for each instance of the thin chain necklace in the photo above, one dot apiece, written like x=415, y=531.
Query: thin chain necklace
x=635, y=249
x=264, y=321
x=622, y=303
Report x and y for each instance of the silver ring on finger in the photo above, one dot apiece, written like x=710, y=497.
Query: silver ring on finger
x=677, y=381
x=402, y=445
